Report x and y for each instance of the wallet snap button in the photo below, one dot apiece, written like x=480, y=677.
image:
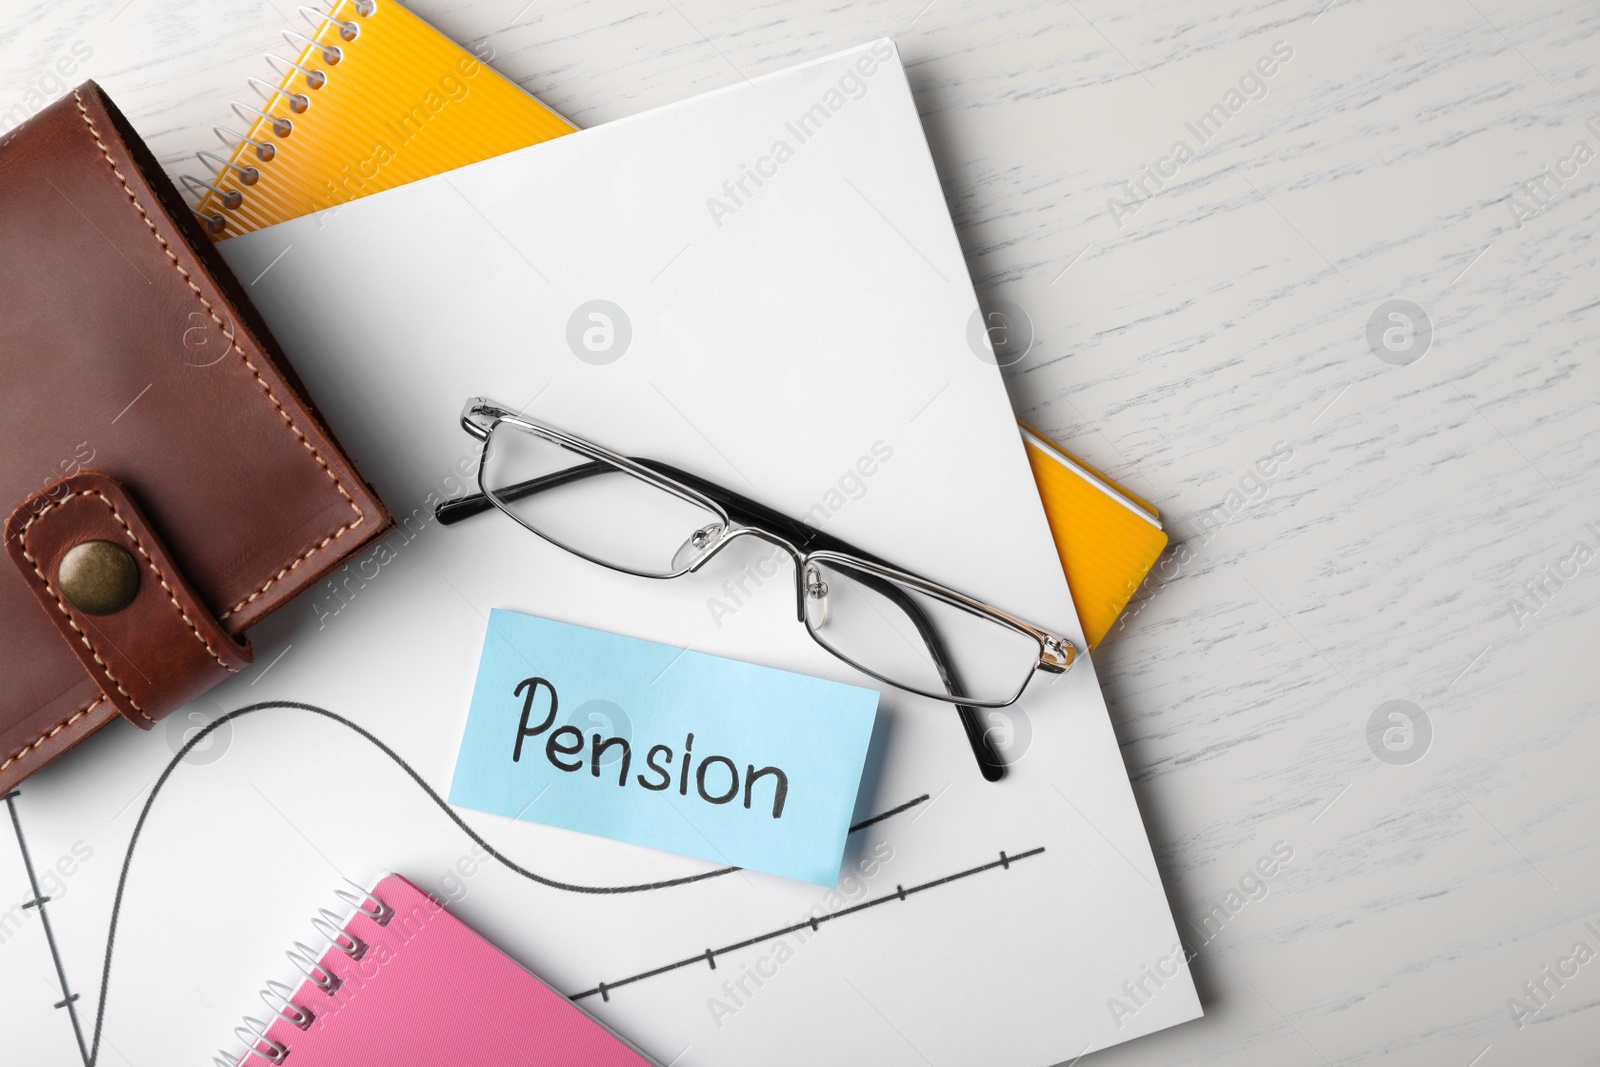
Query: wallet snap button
x=98, y=577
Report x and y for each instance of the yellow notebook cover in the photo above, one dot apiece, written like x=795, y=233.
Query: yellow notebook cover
x=375, y=98
x=1108, y=539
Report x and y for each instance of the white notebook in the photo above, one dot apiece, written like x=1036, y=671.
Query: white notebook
x=796, y=300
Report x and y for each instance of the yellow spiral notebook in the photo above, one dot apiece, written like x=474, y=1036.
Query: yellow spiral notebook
x=373, y=97
x=376, y=98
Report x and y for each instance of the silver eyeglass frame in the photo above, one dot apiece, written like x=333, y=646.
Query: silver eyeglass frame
x=480, y=417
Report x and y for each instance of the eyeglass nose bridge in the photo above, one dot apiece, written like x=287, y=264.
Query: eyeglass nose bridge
x=798, y=557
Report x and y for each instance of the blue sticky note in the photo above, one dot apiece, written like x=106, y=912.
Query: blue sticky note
x=665, y=747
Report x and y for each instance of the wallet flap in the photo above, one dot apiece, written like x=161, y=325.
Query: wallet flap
x=118, y=599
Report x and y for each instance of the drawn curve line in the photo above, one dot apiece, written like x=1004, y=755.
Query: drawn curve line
x=509, y=864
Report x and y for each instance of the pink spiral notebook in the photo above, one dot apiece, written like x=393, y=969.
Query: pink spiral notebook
x=404, y=983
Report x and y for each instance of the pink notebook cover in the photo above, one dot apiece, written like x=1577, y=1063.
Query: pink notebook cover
x=428, y=991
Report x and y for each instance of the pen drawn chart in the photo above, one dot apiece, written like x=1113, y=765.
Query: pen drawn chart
x=814, y=924
x=88, y=1044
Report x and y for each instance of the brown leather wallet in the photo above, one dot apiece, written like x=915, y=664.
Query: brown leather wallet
x=169, y=481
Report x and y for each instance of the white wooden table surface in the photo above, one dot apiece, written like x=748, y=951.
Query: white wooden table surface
x=1430, y=476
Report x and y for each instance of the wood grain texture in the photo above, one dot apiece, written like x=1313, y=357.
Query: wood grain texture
x=1177, y=346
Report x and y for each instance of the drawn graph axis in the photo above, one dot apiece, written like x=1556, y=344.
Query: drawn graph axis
x=39, y=900
x=901, y=893
x=88, y=1050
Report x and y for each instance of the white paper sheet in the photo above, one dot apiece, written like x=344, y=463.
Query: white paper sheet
x=780, y=332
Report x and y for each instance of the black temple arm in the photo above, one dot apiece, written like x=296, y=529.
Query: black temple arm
x=982, y=747
x=453, y=511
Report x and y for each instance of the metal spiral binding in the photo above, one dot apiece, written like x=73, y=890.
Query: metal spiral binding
x=265, y=150
x=280, y=126
x=299, y=103
x=308, y=962
x=279, y=998
x=315, y=79
x=381, y=913
x=247, y=175
x=331, y=53
x=327, y=924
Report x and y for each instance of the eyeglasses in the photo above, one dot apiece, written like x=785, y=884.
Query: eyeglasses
x=643, y=517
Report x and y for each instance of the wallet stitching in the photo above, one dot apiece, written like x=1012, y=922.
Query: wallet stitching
x=48, y=734
x=172, y=597
x=260, y=381
x=22, y=541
